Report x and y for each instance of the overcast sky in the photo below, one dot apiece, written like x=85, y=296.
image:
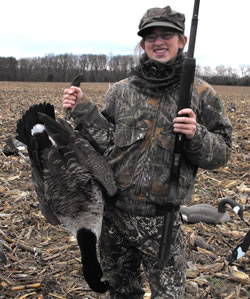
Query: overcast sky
x=30, y=28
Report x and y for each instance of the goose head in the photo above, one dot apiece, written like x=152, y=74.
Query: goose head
x=236, y=207
x=241, y=249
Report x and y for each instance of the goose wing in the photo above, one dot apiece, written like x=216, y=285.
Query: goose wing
x=87, y=155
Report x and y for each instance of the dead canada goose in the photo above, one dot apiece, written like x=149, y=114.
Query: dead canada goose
x=209, y=214
x=241, y=249
x=69, y=177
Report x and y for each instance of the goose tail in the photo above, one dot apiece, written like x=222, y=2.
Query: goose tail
x=31, y=132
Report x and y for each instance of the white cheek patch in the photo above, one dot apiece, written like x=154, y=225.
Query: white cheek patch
x=21, y=148
x=240, y=253
x=236, y=209
x=38, y=128
x=184, y=217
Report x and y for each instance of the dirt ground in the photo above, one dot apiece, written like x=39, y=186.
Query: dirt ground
x=44, y=261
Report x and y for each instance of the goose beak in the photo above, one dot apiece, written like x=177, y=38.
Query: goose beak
x=241, y=215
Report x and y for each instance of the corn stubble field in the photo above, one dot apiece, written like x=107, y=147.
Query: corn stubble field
x=44, y=261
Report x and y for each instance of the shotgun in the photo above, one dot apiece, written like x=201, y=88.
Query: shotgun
x=186, y=86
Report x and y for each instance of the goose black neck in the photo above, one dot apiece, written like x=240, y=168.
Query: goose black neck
x=246, y=242
x=223, y=202
x=92, y=271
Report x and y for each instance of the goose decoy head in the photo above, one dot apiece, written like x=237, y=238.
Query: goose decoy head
x=236, y=207
x=241, y=249
x=237, y=253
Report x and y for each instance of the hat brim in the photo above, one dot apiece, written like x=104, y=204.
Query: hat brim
x=141, y=32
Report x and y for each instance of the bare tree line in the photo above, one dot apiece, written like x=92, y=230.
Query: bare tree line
x=62, y=68
x=225, y=75
x=100, y=68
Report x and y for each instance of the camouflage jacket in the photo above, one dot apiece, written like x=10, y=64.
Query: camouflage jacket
x=135, y=132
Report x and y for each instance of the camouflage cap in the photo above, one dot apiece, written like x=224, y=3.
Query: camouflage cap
x=165, y=17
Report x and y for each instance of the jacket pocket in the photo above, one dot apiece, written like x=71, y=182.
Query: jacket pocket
x=126, y=136
x=162, y=158
x=127, y=151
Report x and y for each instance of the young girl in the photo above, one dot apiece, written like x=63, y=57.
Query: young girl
x=136, y=132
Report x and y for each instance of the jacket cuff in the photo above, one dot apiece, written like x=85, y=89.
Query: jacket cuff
x=195, y=143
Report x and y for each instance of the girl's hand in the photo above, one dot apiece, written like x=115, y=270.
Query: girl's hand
x=185, y=124
x=71, y=97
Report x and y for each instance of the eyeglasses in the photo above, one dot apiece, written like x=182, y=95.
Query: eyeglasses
x=164, y=35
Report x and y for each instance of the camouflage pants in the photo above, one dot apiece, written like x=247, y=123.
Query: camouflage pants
x=129, y=244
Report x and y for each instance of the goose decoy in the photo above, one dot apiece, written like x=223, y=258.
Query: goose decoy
x=232, y=107
x=14, y=147
x=209, y=214
x=241, y=249
x=70, y=179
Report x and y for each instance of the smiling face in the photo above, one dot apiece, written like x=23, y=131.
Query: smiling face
x=162, y=45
